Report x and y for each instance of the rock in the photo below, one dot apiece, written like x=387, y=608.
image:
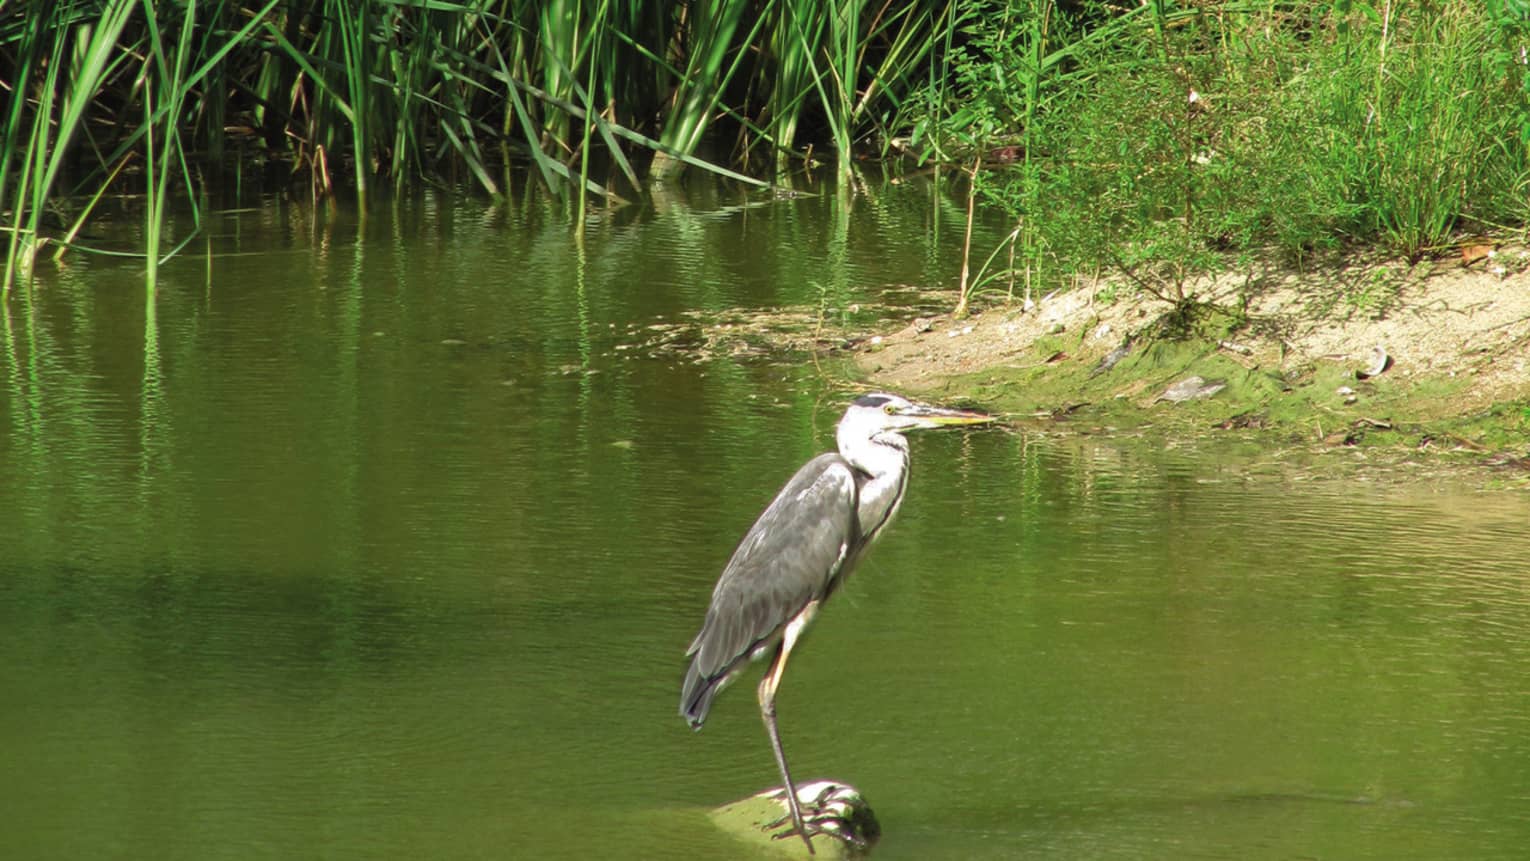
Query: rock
x=919, y=326
x=1112, y=358
x=1191, y=388
x=1380, y=361
x=847, y=827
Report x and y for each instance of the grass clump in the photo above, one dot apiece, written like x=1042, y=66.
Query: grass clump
x=1169, y=143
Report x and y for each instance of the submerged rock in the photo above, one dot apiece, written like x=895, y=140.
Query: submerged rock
x=846, y=827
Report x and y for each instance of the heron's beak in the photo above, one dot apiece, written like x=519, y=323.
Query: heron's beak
x=930, y=416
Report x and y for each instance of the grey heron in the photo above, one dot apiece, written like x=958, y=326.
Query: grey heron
x=798, y=553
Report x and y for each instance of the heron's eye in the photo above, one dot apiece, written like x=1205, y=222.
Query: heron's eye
x=889, y=409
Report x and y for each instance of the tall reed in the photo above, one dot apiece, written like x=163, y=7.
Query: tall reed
x=375, y=89
x=58, y=111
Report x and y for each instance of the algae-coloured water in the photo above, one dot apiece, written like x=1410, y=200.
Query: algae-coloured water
x=372, y=543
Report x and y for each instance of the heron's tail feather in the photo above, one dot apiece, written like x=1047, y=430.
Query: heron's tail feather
x=696, y=697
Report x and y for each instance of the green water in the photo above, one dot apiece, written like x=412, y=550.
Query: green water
x=372, y=543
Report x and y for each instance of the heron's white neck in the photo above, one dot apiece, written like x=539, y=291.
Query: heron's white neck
x=876, y=455
x=884, y=457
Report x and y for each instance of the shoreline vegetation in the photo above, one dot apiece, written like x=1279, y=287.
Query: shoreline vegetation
x=1150, y=155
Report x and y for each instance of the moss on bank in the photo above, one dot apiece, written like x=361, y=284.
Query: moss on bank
x=1457, y=379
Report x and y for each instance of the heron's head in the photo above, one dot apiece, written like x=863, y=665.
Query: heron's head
x=879, y=412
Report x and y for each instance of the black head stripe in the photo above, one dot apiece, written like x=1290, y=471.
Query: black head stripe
x=871, y=400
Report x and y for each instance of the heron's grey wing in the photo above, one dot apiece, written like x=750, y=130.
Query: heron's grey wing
x=786, y=560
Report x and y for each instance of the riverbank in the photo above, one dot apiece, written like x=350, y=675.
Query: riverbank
x=1434, y=355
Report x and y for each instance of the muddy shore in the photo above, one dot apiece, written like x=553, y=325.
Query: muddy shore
x=1431, y=354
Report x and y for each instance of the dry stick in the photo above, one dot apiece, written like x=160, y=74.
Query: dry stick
x=1009, y=295
x=1508, y=324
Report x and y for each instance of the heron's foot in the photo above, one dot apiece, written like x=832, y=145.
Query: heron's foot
x=832, y=809
x=791, y=832
x=810, y=797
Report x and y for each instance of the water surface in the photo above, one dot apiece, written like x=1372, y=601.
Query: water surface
x=370, y=543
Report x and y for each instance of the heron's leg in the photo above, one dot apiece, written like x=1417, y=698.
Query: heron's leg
x=767, y=692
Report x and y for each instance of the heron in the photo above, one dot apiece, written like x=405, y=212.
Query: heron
x=798, y=553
